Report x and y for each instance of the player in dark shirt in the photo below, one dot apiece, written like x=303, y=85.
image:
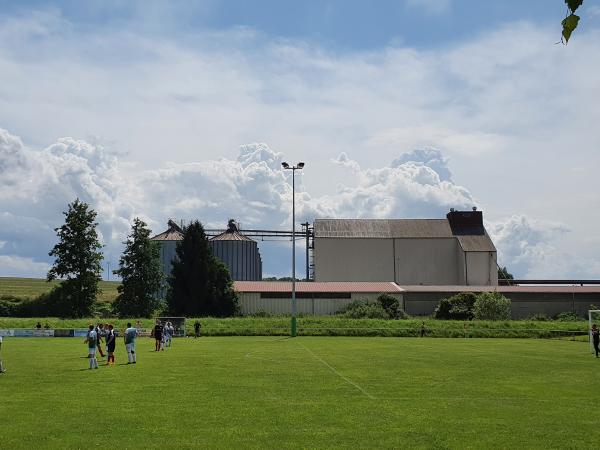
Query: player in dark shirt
x=596, y=339
x=99, y=336
x=158, y=335
x=110, y=345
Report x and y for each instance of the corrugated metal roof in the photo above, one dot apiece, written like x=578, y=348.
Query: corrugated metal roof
x=399, y=229
x=231, y=236
x=476, y=243
x=317, y=286
x=169, y=235
x=505, y=289
x=382, y=228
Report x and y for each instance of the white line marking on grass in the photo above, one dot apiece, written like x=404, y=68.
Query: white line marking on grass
x=270, y=341
x=331, y=368
x=486, y=399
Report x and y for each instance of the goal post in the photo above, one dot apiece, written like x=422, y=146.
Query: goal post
x=593, y=317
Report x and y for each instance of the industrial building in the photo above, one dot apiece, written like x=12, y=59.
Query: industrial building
x=324, y=298
x=238, y=252
x=418, y=261
x=456, y=250
x=312, y=298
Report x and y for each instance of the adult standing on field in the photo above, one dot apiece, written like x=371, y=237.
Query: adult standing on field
x=99, y=333
x=110, y=345
x=158, y=335
x=130, y=335
x=92, y=341
x=596, y=339
x=197, y=329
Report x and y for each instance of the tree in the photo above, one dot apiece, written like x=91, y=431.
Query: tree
x=491, y=306
x=571, y=20
x=77, y=262
x=504, y=274
x=457, y=307
x=199, y=284
x=139, y=268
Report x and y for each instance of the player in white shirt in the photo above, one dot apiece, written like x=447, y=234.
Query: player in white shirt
x=92, y=341
x=130, y=335
x=167, y=336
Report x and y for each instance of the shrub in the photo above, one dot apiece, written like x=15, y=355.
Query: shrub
x=491, y=306
x=102, y=309
x=567, y=316
x=391, y=305
x=457, y=307
x=539, y=317
x=261, y=313
x=361, y=309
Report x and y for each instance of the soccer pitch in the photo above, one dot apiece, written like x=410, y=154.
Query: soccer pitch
x=306, y=392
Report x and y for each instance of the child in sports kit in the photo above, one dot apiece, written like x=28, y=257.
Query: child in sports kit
x=110, y=345
x=130, y=335
x=92, y=342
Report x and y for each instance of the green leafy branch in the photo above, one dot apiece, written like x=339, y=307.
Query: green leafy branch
x=570, y=22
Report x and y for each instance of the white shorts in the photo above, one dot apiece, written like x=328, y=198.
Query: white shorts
x=130, y=348
x=92, y=351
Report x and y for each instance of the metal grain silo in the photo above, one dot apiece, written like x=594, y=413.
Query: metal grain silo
x=168, y=244
x=239, y=253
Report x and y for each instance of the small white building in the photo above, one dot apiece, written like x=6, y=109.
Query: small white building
x=456, y=250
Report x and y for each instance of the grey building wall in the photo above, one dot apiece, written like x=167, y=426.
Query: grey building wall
x=407, y=261
x=426, y=261
x=340, y=259
x=523, y=304
x=482, y=269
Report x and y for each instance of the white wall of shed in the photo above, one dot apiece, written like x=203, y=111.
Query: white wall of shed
x=251, y=303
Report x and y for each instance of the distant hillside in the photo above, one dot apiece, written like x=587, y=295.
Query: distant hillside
x=32, y=287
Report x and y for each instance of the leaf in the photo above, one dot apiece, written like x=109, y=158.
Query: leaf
x=569, y=24
x=573, y=4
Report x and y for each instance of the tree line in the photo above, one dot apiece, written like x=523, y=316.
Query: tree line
x=199, y=284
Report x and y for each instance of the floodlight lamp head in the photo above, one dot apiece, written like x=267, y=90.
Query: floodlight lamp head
x=300, y=165
x=285, y=165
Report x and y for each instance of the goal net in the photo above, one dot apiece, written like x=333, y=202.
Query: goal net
x=594, y=318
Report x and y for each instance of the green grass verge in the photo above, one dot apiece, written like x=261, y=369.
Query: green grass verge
x=30, y=288
x=308, y=392
x=335, y=326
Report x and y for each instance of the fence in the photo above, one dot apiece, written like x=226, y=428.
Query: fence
x=325, y=330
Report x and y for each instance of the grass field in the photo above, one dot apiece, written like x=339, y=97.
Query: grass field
x=308, y=392
x=30, y=288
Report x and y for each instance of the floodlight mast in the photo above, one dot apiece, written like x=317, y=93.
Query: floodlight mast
x=298, y=166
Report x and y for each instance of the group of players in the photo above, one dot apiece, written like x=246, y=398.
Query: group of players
x=162, y=334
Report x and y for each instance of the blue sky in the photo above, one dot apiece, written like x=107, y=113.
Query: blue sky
x=336, y=24
x=185, y=110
